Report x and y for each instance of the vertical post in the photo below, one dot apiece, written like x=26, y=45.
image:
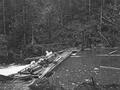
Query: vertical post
x=24, y=39
x=115, y=4
x=24, y=27
x=70, y=3
x=83, y=40
x=89, y=6
x=24, y=22
x=21, y=54
x=101, y=13
x=4, y=25
x=32, y=42
x=61, y=12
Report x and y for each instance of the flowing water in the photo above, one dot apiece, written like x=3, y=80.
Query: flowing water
x=12, y=69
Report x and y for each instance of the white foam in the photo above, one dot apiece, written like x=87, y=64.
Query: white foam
x=12, y=69
x=48, y=53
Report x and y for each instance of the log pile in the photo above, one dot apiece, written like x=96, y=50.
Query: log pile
x=42, y=68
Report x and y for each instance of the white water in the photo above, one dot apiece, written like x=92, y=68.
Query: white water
x=12, y=69
x=6, y=71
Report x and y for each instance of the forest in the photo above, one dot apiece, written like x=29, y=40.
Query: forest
x=29, y=27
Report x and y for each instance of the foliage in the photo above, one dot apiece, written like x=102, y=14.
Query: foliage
x=31, y=22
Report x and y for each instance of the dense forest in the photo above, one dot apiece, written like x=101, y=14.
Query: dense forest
x=29, y=27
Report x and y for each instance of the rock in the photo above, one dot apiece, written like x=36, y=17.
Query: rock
x=67, y=70
x=96, y=69
x=87, y=80
x=73, y=84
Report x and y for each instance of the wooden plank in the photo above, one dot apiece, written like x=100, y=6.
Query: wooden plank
x=108, y=67
x=36, y=63
x=59, y=59
x=42, y=72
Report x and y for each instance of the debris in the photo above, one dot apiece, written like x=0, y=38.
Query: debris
x=50, y=65
x=73, y=84
x=38, y=69
x=74, y=54
x=108, y=67
x=87, y=80
x=48, y=53
x=112, y=52
x=96, y=69
x=67, y=70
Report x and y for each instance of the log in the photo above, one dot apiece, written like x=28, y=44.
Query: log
x=37, y=71
x=51, y=67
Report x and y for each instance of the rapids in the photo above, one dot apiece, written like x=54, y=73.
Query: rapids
x=6, y=71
